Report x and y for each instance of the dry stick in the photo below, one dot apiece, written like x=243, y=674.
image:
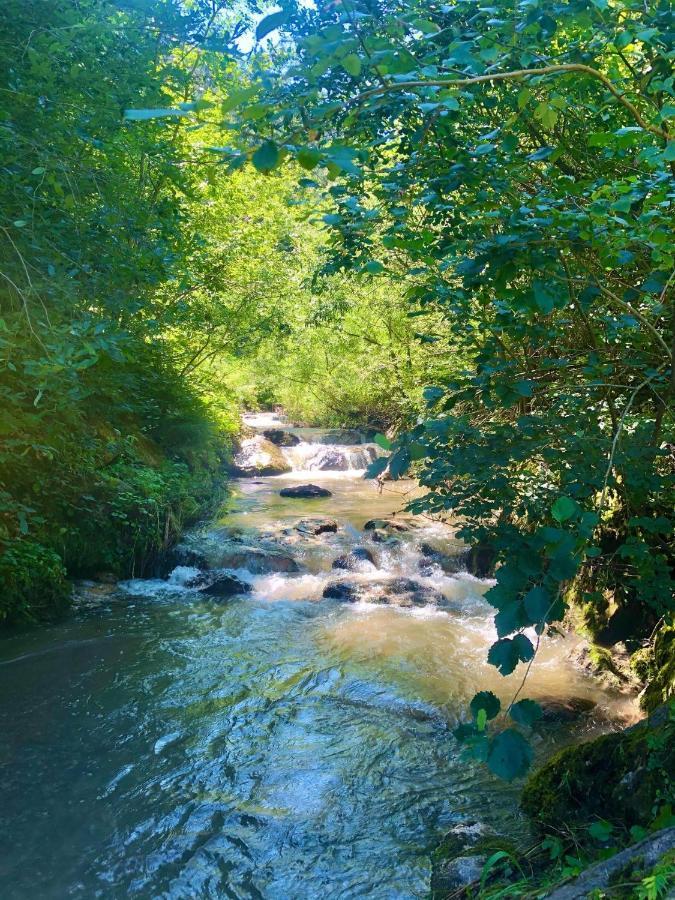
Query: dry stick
x=617, y=434
x=638, y=315
x=534, y=655
x=521, y=73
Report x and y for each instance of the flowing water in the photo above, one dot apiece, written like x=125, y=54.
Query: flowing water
x=161, y=744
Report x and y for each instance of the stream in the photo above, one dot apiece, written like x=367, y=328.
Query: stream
x=276, y=744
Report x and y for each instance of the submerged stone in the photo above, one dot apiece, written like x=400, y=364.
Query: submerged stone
x=305, y=492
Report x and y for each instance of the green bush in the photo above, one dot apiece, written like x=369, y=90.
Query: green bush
x=32, y=582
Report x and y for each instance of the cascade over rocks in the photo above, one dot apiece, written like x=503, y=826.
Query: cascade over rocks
x=305, y=492
x=450, y=564
x=404, y=592
x=281, y=438
x=317, y=526
x=260, y=560
x=331, y=461
x=354, y=559
x=258, y=456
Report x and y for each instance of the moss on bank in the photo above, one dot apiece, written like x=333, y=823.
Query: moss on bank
x=115, y=512
x=623, y=778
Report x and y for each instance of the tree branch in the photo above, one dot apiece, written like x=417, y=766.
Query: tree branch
x=560, y=69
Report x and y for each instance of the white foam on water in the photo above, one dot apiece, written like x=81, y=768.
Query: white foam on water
x=263, y=420
x=181, y=575
x=278, y=586
x=151, y=587
x=318, y=457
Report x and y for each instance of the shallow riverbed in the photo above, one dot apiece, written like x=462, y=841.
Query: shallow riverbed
x=277, y=745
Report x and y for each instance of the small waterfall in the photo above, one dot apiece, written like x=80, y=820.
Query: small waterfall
x=316, y=457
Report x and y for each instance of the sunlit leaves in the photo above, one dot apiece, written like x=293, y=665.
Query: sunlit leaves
x=309, y=158
x=351, y=64
x=142, y=115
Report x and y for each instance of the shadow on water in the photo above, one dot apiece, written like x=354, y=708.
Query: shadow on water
x=275, y=746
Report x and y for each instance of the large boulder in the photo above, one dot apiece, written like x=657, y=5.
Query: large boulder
x=258, y=456
x=481, y=561
x=305, y=492
x=619, y=777
x=404, y=592
x=225, y=585
x=281, y=438
x=353, y=561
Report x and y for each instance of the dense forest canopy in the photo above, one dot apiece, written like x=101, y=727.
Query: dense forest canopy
x=452, y=221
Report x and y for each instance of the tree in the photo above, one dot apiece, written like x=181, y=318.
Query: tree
x=519, y=157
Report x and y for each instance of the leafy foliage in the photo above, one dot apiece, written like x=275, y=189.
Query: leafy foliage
x=519, y=165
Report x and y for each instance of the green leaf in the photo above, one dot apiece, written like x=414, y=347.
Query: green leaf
x=490, y=863
x=546, y=296
x=481, y=720
x=383, y=441
x=138, y=115
x=20, y=223
x=510, y=755
x=266, y=157
x=236, y=98
x=526, y=712
x=374, y=267
x=308, y=158
x=485, y=700
x=537, y=604
x=399, y=463
x=377, y=467
x=271, y=23
x=40, y=170
x=351, y=64
x=510, y=618
x=563, y=509
x=601, y=830
x=546, y=114
x=506, y=653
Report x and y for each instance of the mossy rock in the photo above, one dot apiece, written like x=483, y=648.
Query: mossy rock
x=469, y=845
x=655, y=665
x=620, y=777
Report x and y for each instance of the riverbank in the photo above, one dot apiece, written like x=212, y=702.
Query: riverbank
x=114, y=517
